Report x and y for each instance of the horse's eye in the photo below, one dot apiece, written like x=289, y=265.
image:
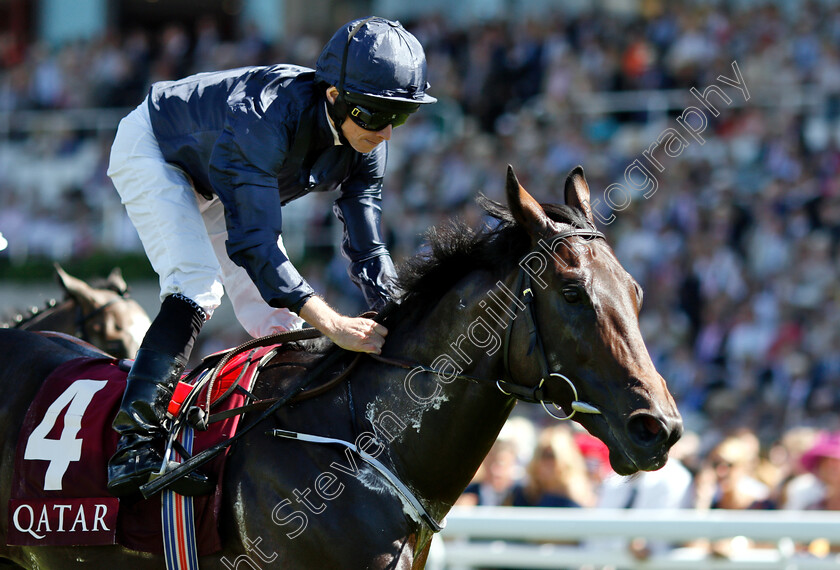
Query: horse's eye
x=572, y=294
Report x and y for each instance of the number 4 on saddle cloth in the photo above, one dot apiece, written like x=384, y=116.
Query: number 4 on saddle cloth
x=59, y=494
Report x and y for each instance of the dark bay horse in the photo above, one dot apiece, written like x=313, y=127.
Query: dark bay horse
x=536, y=308
x=99, y=313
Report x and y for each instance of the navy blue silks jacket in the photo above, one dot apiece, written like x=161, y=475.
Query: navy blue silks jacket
x=258, y=137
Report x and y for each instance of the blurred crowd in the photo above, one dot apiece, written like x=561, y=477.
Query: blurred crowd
x=533, y=464
x=737, y=250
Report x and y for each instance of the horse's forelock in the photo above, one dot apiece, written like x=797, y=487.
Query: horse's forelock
x=564, y=214
x=560, y=213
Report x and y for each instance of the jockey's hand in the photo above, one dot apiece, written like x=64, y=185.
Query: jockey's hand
x=351, y=333
x=359, y=334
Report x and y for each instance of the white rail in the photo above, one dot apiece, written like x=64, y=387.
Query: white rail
x=499, y=537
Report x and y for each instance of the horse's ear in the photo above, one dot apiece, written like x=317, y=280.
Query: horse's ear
x=577, y=192
x=73, y=286
x=116, y=282
x=526, y=211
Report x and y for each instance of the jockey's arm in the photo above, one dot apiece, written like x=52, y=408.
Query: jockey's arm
x=363, y=244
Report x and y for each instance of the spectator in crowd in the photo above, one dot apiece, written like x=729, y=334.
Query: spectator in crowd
x=667, y=488
x=495, y=478
x=670, y=487
x=728, y=479
x=823, y=460
x=556, y=476
x=797, y=487
x=596, y=456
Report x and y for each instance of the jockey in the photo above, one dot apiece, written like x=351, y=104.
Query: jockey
x=204, y=166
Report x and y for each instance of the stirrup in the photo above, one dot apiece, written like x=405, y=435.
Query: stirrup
x=187, y=485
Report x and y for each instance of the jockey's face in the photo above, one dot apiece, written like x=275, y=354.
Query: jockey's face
x=362, y=140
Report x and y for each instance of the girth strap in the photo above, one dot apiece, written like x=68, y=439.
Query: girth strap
x=386, y=473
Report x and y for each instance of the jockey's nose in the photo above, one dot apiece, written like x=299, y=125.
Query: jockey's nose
x=385, y=133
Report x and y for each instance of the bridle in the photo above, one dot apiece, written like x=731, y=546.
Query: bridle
x=82, y=318
x=531, y=394
x=537, y=394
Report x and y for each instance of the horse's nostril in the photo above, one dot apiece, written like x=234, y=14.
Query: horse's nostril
x=646, y=430
x=651, y=425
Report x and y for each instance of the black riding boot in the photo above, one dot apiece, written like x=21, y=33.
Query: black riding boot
x=150, y=384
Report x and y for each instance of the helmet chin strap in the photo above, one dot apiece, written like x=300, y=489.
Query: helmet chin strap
x=338, y=113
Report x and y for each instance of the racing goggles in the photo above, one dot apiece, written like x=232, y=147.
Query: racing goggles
x=372, y=118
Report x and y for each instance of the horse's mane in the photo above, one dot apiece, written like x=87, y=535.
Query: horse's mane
x=12, y=318
x=455, y=250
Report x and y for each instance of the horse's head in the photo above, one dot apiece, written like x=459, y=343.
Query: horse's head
x=106, y=316
x=585, y=314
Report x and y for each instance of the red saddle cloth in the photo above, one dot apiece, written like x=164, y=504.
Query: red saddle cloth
x=59, y=494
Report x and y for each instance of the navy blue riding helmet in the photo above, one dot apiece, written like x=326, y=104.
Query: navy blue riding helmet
x=379, y=69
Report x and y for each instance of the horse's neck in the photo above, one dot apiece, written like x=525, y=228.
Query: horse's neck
x=440, y=428
x=60, y=318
